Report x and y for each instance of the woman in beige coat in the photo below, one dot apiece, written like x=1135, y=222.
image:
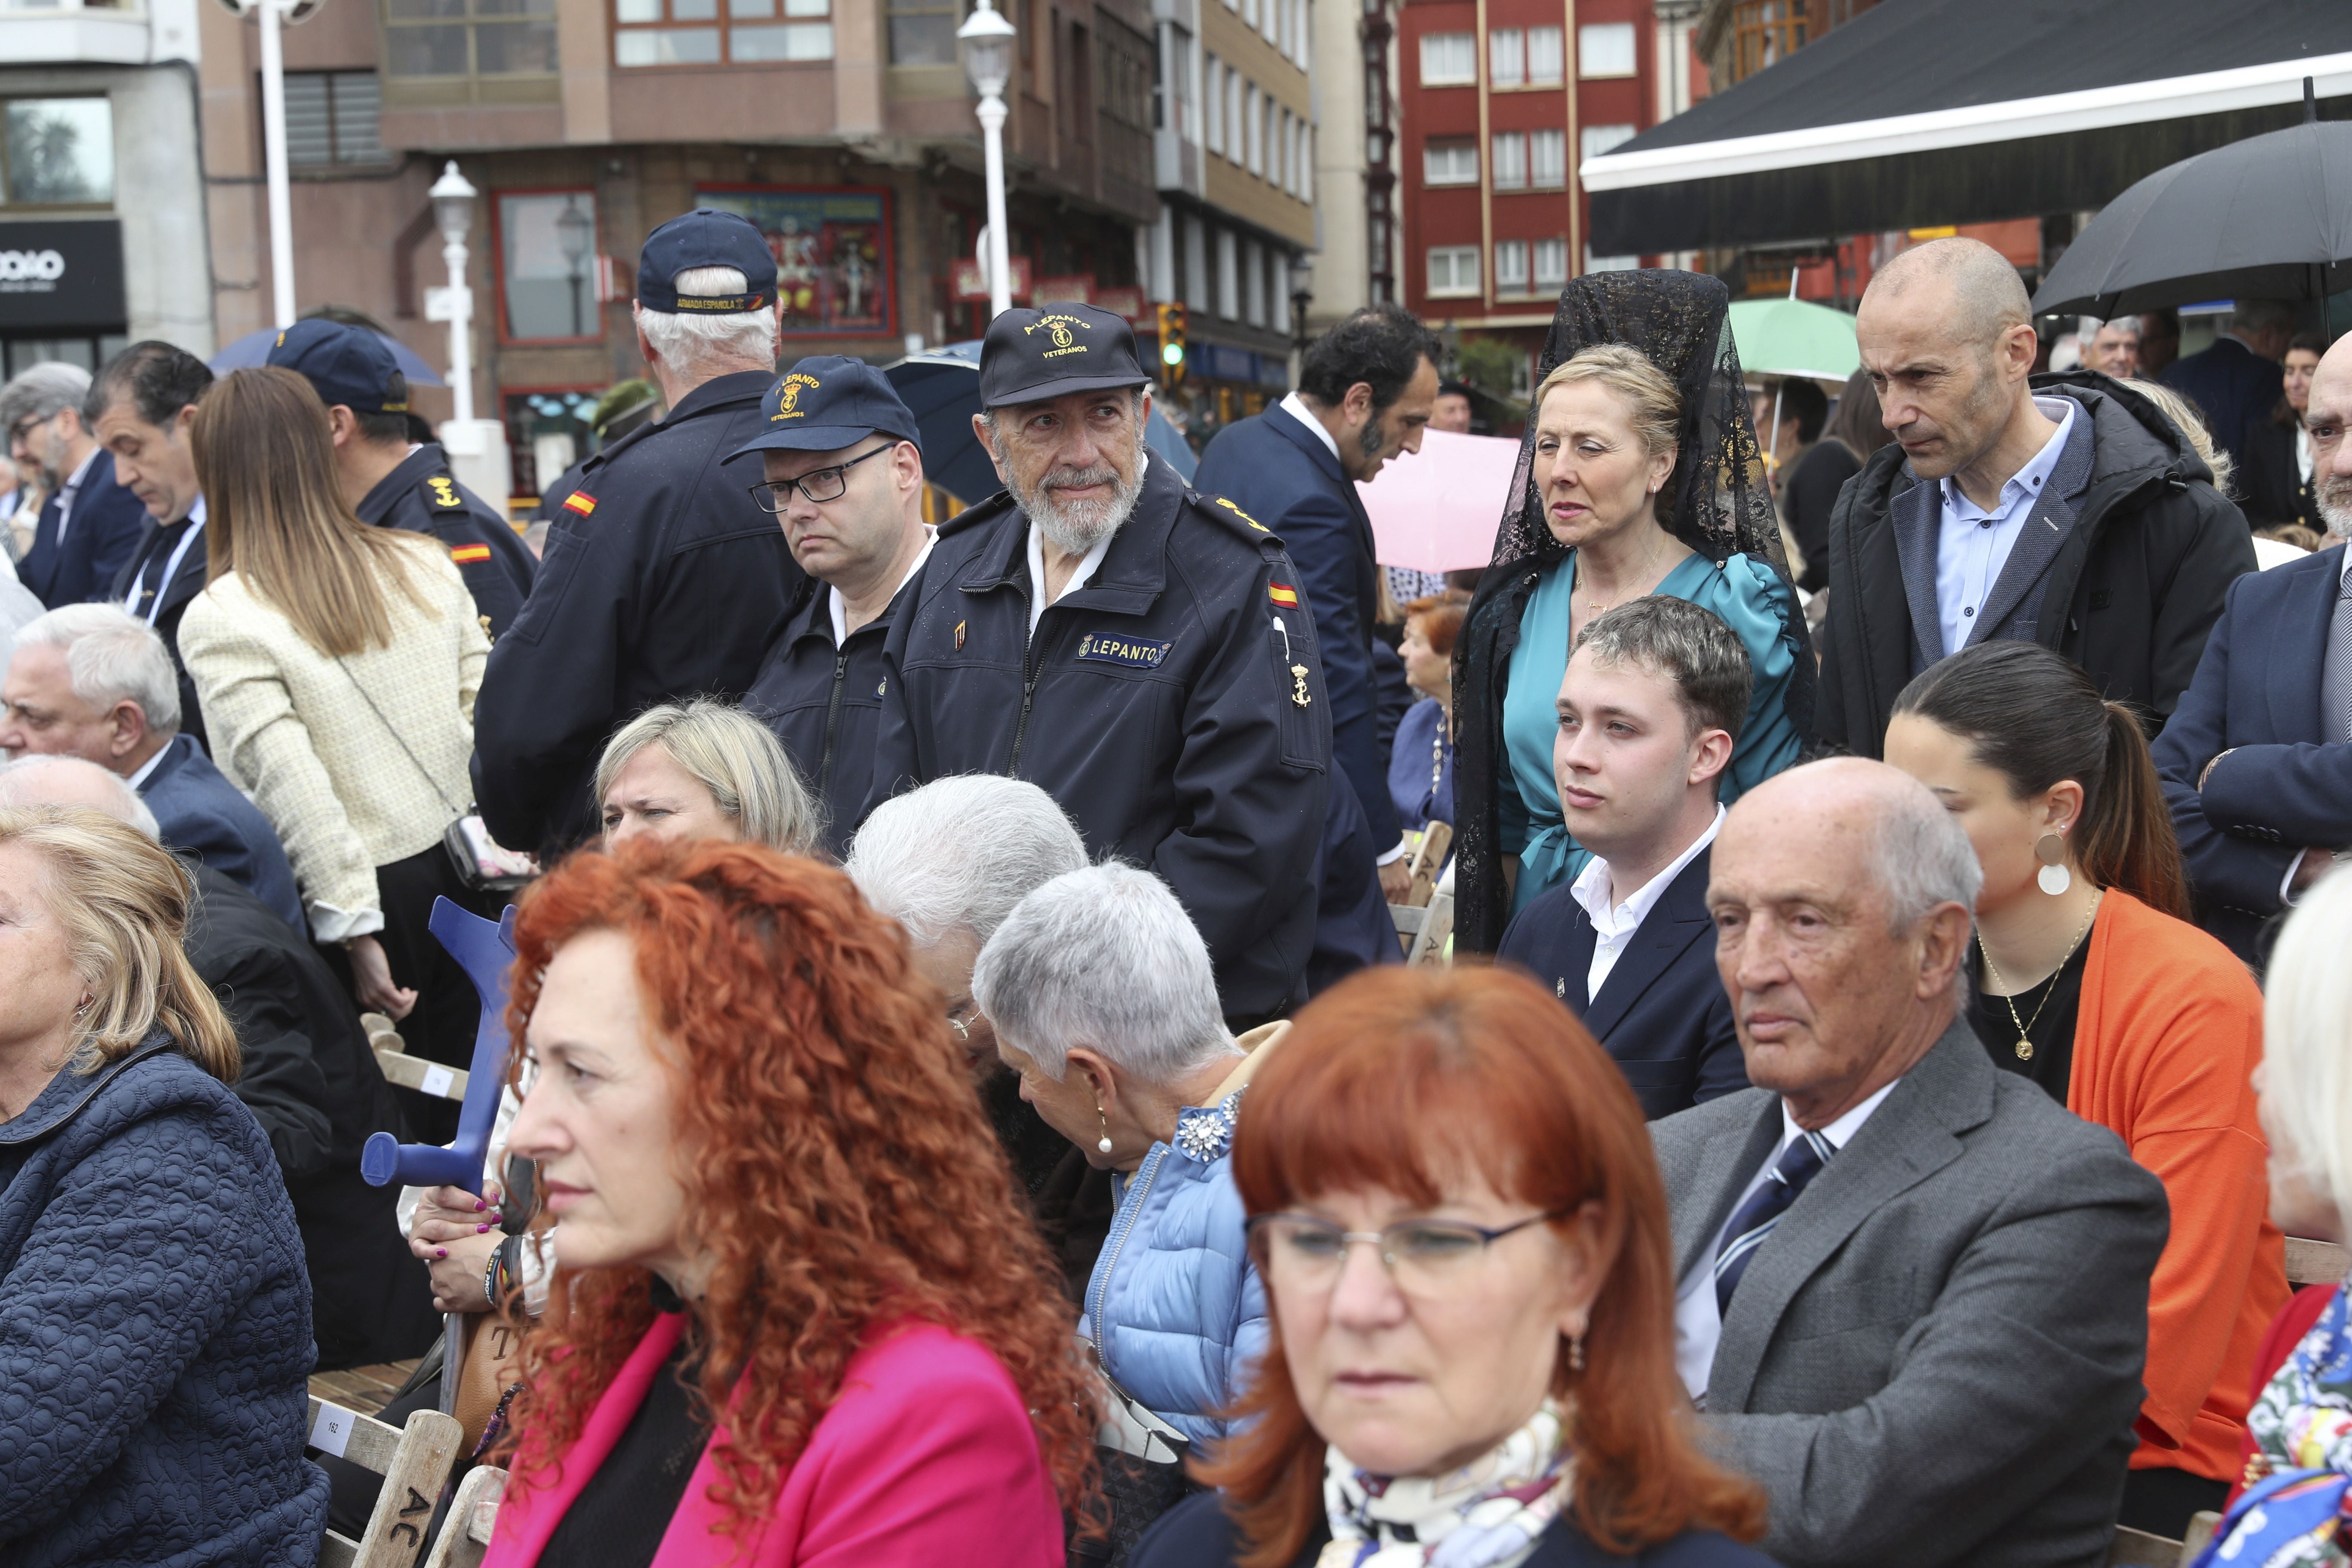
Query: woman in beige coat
x=337, y=664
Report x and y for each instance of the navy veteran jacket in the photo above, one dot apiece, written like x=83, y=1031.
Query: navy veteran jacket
x=1173, y=705
x=825, y=703
x=424, y=497
x=663, y=581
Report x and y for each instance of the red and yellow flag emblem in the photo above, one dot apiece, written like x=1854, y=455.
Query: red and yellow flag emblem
x=463, y=553
x=579, y=502
x=1283, y=593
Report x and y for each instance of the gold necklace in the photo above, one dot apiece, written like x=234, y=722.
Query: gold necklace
x=2025, y=1027
x=1594, y=607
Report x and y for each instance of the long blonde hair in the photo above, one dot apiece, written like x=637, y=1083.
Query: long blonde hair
x=2191, y=421
x=274, y=515
x=124, y=904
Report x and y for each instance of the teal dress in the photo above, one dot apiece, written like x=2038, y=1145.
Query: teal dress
x=1752, y=598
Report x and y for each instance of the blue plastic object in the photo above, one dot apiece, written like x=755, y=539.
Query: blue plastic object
x=485, y=948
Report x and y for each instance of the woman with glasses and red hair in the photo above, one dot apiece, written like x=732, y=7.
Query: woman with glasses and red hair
x=800, y=1316
x=1464, y=1246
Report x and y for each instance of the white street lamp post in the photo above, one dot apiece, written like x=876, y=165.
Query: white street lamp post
x=986, y=38
x=477, y=447
x=273, y=153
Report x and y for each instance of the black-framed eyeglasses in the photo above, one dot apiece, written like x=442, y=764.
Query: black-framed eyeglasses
x=1424, y=1256
x=818, y=485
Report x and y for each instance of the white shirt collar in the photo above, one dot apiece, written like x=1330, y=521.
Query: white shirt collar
x=1085, y=569
x=2024, y=487
x=1839, y=1133
x=196, y=511
x=81, y=469
x=841, y=610
x=1296, y=406
x=138, y=780
x=1592, y=888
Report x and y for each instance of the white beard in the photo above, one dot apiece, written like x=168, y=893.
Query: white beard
x=1076, y=527
x=2334, y=497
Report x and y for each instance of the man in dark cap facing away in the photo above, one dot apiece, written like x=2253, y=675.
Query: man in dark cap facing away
x=393, y=483
x=844, y=466
x=1140, y=652
x=663, y=578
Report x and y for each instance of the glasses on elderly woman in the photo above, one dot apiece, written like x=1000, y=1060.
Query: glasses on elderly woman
x=1424, y=1257
x=962, y=1018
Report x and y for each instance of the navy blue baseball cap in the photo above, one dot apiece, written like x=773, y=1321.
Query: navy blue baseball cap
x=705, y=237
x=1055, y=350
x=826, y=403
x=346, y=365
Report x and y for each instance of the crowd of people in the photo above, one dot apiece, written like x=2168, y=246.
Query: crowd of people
x=966, y=1102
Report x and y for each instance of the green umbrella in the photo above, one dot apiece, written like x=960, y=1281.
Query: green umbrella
x=1789, y=337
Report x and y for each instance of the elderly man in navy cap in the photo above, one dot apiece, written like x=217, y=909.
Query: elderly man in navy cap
x=663, y=579
x=844, y=477
x=393, y=482
x=1139, y=651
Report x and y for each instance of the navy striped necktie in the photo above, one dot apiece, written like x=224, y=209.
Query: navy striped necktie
x=1798, y=1164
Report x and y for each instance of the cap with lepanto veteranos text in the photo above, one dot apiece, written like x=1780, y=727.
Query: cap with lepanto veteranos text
x=1055, y=350
x=345, y=364
x=828, y=402
x=705, y=237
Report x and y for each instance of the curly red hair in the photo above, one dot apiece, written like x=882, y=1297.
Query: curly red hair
x=1402, y=1078
x=833, y=1151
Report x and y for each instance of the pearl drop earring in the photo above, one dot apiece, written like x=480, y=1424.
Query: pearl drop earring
x=1103, y=1145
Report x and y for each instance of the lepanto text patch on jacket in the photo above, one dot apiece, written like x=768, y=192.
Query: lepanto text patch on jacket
x=1136, y=653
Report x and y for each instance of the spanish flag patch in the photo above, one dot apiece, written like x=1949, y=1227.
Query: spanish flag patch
x=464, y=553
x=579, y=502
x=1283, y=593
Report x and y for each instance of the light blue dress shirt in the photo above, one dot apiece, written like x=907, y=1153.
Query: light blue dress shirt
x=1974, y=544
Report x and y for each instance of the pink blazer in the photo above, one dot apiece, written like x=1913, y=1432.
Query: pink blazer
x=927, y=1456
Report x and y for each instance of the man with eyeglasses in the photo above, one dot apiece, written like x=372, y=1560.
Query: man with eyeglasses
x=90, y=523
x=661, y=579
x=1142, y=653
x=844, y=477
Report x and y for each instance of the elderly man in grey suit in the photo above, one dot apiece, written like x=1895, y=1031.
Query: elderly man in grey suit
x=1913, y=1291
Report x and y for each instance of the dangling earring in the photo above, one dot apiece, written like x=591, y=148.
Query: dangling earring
x=82, y=1007
x=2054, y=878
x=1576, y=1352
x=1104, y=1146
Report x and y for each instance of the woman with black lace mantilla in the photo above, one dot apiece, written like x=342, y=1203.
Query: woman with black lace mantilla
x=1639, y=475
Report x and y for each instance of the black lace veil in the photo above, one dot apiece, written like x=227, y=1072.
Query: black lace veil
x=1717, y=501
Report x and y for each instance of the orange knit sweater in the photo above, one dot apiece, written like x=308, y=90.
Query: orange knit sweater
x=2166, y=1044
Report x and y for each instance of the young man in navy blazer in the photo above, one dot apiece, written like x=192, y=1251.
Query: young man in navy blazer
x=1653, y=700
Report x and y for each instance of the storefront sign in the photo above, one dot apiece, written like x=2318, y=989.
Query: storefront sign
x=835, y=275
x=61, y=273
x=968, y=282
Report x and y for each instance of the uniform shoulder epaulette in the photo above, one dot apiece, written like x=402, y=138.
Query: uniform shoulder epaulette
x=1231, y=516
x=995, y=506
x=441, y=493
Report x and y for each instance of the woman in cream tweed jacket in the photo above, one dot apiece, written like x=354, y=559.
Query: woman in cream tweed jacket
x=337, y=665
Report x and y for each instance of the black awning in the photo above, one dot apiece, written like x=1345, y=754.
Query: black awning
x=1940, y=111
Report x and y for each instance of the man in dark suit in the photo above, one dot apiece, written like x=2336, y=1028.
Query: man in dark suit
x=90, y=522
x=1654, y=699
x=2257, y=760
x=1912, y=1289
x=141, y=405
x=90, y=681
x=310, y=1078
x=2237, y=381
x=1365, y=390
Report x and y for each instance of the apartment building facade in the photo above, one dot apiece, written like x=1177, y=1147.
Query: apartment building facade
x=1499, y=101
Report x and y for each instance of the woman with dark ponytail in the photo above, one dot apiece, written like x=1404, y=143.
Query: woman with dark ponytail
x=2090, y=981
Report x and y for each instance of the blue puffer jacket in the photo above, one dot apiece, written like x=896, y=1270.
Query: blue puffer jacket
x=154, y=1329
x=1175, y=1306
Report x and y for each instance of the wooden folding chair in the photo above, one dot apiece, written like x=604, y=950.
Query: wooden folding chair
x=415, y=1461
x=2201, y=1526
x=2315, y=1262
x=2137, y=1549
x=405, y=1071
x=1432, y=944
x=466, y=1536
x=1427, y=861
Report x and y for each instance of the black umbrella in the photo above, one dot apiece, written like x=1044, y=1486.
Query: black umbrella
x=2266, y=219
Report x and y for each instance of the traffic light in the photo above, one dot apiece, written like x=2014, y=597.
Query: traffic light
x=1172, y=345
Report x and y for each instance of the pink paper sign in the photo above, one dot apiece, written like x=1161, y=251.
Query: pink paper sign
x=1437, y=509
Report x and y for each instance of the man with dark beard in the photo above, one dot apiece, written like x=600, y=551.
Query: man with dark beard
x=1143, y=654
x=2257, y=760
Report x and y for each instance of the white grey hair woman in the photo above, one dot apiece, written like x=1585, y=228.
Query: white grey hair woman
x=703, y=770
x=947, y=862
x=1106, y=1004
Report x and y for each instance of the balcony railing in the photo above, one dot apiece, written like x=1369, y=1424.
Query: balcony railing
x=74, y=32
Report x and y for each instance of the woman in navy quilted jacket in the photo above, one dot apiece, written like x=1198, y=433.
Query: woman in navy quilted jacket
x=155, y=1313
